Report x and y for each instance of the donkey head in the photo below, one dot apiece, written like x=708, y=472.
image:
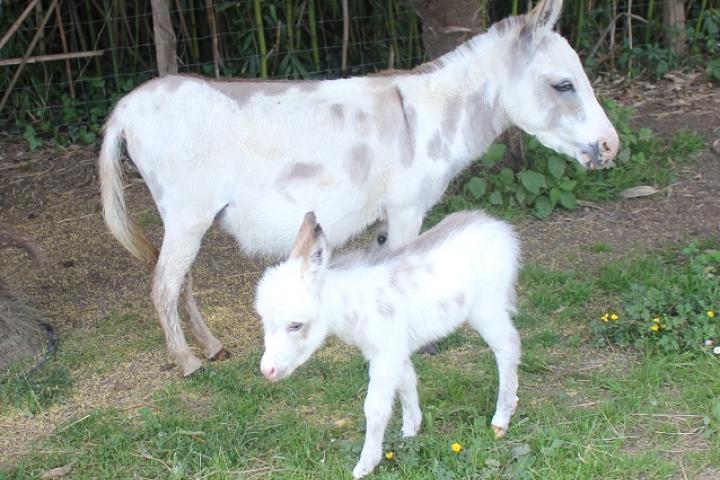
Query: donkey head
x=287, y=304
x=549, y=95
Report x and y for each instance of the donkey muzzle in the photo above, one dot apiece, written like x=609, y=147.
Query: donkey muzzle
x=601, y=153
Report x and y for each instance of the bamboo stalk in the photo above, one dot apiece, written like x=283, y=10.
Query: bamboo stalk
x=51, y=57
x=93, y=35
x=580, y=23
x=289, y=24
x=29, y=51
x=261, y=39
x=649, y=16
x=514, y=9
x=17, y=23
x=411, y=41
x=193, y=26
x=391, y=27
x=345, y=35
x=698, y=24
x=183, y=24
x=313, y=35
x=213, y=34
x=63, y=42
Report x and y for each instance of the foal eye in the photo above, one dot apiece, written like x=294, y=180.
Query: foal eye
x=295, y=326
x=565, y=86
x=381, y=239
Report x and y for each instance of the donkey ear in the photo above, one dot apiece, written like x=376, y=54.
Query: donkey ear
x=542, y=19
x=319, y=253
x=310, y=244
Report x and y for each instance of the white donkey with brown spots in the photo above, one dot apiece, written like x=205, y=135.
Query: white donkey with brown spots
x=463, y=269
x=258, y=155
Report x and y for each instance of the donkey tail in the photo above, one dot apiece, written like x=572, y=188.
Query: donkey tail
x=123, y=228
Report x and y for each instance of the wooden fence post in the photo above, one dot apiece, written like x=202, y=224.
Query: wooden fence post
x=164, y=37
x=674, y=26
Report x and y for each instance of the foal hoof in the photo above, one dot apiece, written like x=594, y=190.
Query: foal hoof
x=221, y=355
x=499, y=432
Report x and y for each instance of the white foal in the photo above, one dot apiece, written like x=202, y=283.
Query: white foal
x=463, y=269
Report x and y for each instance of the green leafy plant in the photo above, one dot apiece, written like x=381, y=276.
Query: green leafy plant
x=678, y=311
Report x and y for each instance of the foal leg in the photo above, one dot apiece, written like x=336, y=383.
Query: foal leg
x=407, y=390
x=212, y=348
x=177, y=254
x=378, y=407
x=498, y=331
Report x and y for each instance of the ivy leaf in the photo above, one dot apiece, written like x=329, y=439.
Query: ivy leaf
x=556, y=166
x=543, y=207
x=532, y=180
x=493, y=155
x=477, y=187
x=568, y=200
x=555, y=194
x=567, y=184
x=506, y=176
x=496, y=198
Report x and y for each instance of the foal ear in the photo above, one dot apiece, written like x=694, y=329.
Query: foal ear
x=310, y=244
x=541, y=20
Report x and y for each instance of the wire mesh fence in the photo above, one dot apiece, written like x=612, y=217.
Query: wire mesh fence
x=63, y=63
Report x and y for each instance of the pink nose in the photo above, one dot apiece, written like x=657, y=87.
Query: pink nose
x=609, y=146
x=269, y=371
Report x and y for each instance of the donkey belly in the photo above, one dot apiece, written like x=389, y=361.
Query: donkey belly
x=265, y=221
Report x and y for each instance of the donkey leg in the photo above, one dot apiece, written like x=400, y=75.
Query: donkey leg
x=502, y=337
x=407, y=390
x=403, y=225
x=378, y=407
x=212, y=348
x=176, y=256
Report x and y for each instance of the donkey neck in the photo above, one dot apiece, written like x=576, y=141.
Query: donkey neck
x=344, y=296
x=458, y=98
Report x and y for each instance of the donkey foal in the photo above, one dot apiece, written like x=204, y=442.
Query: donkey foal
x=463, y=269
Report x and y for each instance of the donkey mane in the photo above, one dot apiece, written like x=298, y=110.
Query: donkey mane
x=471, y=47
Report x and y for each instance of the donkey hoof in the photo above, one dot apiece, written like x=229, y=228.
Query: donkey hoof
x=191, y=366
x=499, y=431
x=221, y=355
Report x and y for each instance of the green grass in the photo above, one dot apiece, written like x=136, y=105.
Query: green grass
x=584, y=412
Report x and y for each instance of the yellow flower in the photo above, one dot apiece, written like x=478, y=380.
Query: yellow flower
x=656, y=319
x=389, y=455
x=655, y=327
x=456, y=447
x=614, y=317
x=710, y=313
x=605, y=317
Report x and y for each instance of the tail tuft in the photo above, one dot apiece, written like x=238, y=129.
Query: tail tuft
x=123, y=228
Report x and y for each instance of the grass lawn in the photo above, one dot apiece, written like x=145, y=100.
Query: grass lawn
x=585, y=411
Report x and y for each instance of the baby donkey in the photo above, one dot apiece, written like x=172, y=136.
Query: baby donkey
x=463, y=269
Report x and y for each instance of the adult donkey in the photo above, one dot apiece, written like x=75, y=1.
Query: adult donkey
x=258, y=155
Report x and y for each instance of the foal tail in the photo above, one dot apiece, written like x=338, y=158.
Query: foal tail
x=123, y=228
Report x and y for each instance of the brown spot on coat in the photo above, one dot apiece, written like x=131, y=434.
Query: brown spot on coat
x=435, y=146
x=338, y=113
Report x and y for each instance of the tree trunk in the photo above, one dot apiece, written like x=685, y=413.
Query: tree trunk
x=674, y=26
x=164, y=37
x=448, y=23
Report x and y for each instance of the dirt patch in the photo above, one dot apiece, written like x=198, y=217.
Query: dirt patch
x=52, y=197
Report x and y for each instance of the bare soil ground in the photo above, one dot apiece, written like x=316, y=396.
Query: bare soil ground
x=52, y=197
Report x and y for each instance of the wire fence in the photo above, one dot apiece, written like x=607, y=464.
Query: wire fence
x=47, y=94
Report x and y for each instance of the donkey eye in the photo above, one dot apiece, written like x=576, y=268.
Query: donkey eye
x=295, y=326
x=381, y=239
x=565, y=86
